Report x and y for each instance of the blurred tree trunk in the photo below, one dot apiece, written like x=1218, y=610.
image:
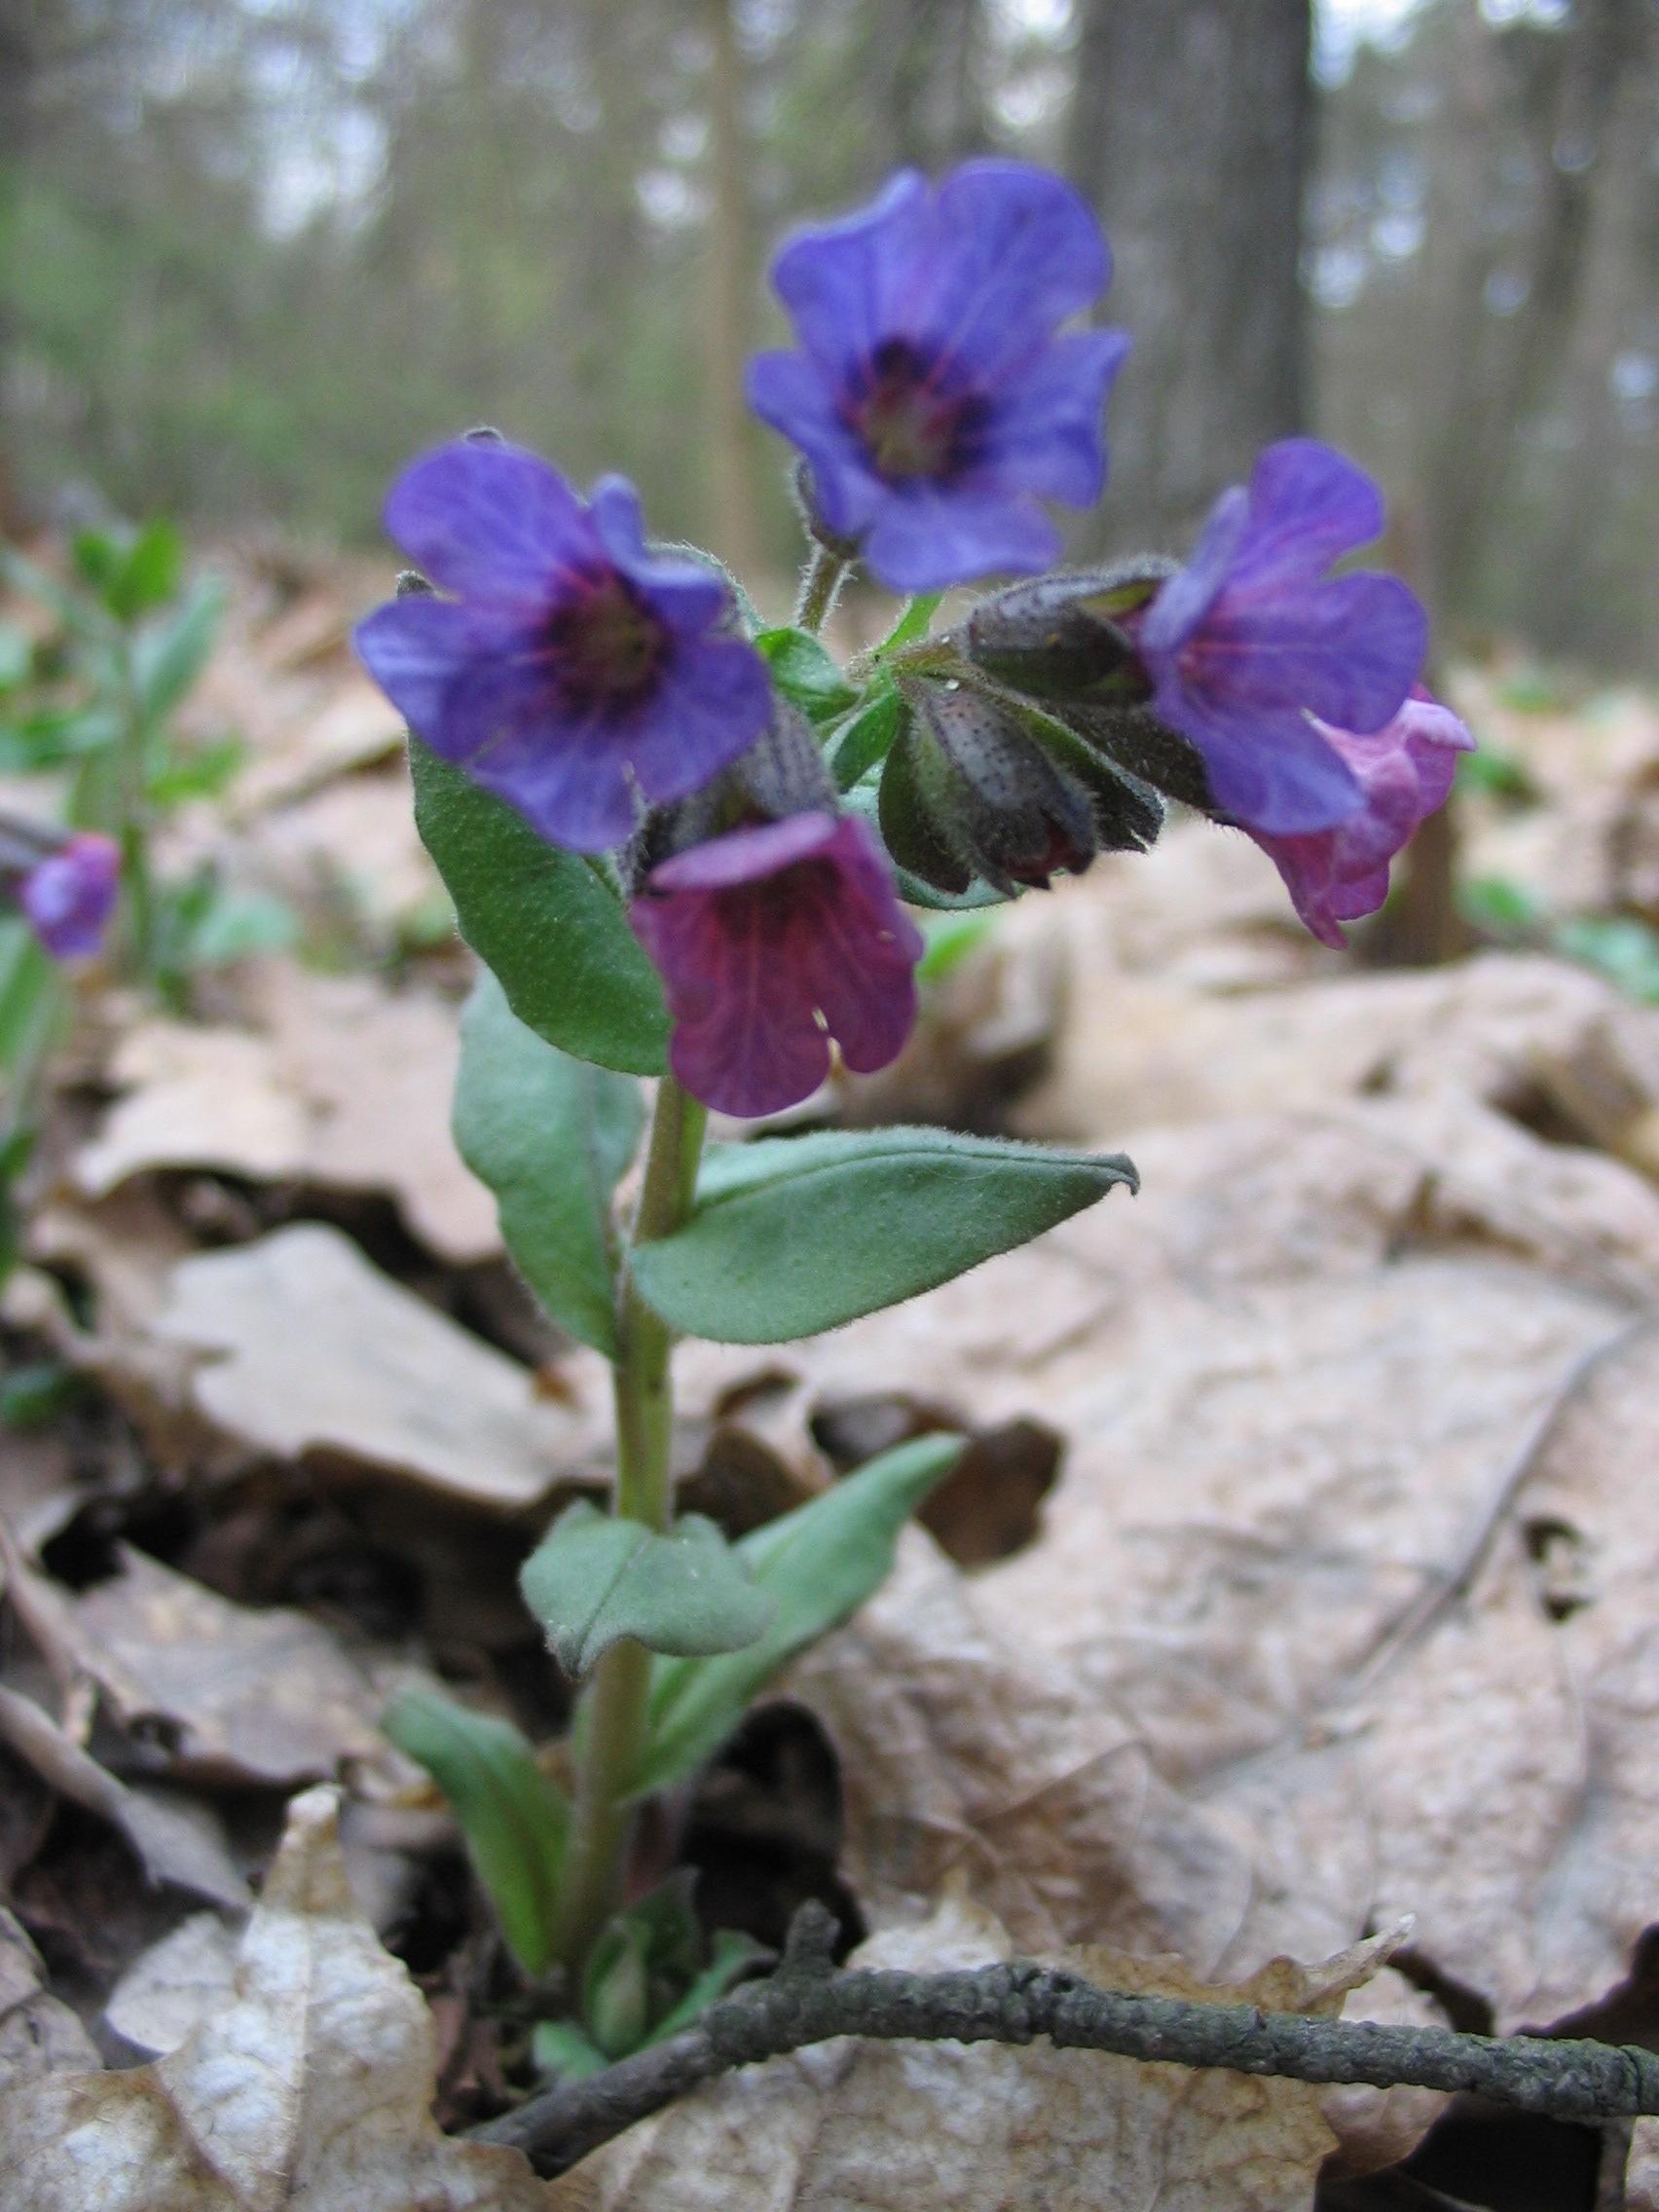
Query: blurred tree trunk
x=1497, y=371
x=22, y=33
x=1190, y=130
x=920, y=67
x=728, y=437
x=1614, y=297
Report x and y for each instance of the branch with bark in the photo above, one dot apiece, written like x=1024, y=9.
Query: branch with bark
x=807, y=2001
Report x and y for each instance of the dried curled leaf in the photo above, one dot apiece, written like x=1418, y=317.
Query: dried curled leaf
x=308, y=2091
x=861, y=2126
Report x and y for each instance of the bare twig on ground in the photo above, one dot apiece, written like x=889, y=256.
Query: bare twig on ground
x=808, y=2002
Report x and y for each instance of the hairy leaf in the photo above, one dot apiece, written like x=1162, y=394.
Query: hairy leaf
x=552, y=1137
x=795, y=1235
x=549, y=923
x=594, y=1579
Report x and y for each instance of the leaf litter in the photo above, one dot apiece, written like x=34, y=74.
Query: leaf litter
x=1335, y=1611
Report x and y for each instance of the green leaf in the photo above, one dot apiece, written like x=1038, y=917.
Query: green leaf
x=915, y=620
x=239, y=925
x=147, y=574
x=17, y=656
x=820, y=1562
x=794, y=1235
x=167, y=659
x=552, y=1137
x=731, y=1955
x=950, y=939
x=806, y=674
x=35, y=1395
x=864, y=740
x=202, y=773
x=548, y=922
x=513, y=1816
x=558, y=2047
x=595, y=1578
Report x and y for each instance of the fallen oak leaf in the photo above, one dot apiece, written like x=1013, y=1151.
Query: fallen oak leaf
x=856, y=2125
x=308, y=2092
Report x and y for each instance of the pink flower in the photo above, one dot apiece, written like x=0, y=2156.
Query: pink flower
x=1405, y=772
x=771, y=941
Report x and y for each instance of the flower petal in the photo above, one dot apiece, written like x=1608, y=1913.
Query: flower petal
x=1274, y=774
x=490, y=520
x=834, y=278
x=1347, y=650
x=929, y=536
x=1047, y=435
x=713, y=701
x=687, y=594
x=434, y=657
x=1309, y=504
x=795, y=395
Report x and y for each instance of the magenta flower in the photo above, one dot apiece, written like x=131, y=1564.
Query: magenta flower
x=64, y=887
x=931, y=396
x=1252, y=641
x=574, y=671
x=1405, y=774
x=771, y=941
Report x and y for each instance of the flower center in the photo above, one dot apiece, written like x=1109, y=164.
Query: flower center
x=607, y=646
x=911, y=427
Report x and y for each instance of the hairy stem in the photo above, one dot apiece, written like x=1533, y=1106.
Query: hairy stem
x=614, y=1702
x=826, y=573
x=806, y=2003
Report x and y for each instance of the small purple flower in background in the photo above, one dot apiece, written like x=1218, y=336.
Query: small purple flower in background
x=68, y=893
x=574, y=671
x=771, y=941
x=932, y=398
x=1251, y=640
x=1405, y=774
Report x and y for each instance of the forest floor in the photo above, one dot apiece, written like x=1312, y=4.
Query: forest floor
x=1297, y=1589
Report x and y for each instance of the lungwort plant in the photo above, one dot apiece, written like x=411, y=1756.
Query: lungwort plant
x=684, y=845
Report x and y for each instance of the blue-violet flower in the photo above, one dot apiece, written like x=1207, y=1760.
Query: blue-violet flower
x=67, y=893
x=574, y=671
x=1251, y=640
x=772, y=940
x=931, y=396
x=1405, y=774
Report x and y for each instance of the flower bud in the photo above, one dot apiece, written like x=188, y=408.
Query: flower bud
x=980, y=784
x=1064, y=637
x=1135, y=741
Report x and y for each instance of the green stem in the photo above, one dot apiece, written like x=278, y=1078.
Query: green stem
x=826, y=573
x=138, y=890
x=590, y=1887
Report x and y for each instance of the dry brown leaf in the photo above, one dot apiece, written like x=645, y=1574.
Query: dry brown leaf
x=860, y=2127
x=1284, y=1662
x=1642, y=2170
x=39, y=2033
x=344, y=1085
x=299, y=1345
x=169, y=1989
x=309, y=2092
x=261, y=1695
x=176, y=1839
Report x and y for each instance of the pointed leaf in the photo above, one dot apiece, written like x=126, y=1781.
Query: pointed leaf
x=512, y=1814
x=548, y=922
x=552, y=1137
x=594, y=1579
x=866, y=738
x=166, y=660
x=819, y=1563
x=794, y=1235
x=806, y=674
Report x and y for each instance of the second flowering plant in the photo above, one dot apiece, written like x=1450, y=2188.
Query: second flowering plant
x=686, y=848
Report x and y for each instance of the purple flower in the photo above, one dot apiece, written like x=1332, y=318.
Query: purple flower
x=1404, y=773
x=1251, y=640
x=574, y=671
x=68, y=895
x=931, y=396
x=773, y=940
